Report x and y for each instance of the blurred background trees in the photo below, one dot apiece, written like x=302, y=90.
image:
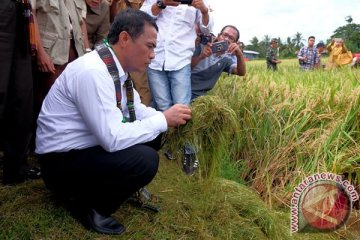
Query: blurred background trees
x=350, y=33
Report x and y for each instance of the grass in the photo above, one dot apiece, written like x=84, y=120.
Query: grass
x=256, y=138
x=190, y=209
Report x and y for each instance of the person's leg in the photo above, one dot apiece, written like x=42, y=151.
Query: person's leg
x=180, y=81
x=160, y=89
x=18, y=111
x=7, y=45
x=98, y=179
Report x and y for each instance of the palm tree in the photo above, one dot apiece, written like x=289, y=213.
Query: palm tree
x=349, y=19
x=297, y=40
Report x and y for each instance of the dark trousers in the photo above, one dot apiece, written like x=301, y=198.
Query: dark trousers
x=98, y=179
x=44, y=80
x=16, y=90
x=272, y=66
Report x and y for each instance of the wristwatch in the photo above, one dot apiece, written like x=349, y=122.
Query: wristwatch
x=160, y=4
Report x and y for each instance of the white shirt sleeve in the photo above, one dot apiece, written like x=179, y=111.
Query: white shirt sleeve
x=146, y=7
x=95, y=100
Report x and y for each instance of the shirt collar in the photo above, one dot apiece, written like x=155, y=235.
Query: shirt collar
x=122, y=75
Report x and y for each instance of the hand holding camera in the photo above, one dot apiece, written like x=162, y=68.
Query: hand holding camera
x=234, y=49
x=206, y=51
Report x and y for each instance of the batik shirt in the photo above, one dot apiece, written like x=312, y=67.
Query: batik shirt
x=312, y=57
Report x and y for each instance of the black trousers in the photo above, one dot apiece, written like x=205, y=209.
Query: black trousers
x=16, y=90
x=98, y=179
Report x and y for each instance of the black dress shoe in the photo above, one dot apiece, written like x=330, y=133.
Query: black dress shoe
x=103, y=224
x=26, y=173
x=32, y=173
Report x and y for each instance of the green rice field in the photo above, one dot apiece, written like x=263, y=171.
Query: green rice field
x=257, y=137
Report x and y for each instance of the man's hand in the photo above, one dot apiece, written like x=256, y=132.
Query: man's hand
x=199, y=4
x=44, y=62
x=177, y=115
x=234, y=49
x=206, y=52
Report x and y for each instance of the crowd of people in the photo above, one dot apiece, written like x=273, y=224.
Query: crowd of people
x=99, y=83
x=309, y=56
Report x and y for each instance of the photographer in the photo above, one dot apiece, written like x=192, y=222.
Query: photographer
x=211, y=59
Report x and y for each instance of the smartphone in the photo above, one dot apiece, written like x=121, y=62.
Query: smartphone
x=184, y=1
x=219, y=47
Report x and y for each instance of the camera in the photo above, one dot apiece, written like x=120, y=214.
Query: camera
x=205, y=39
x=184, y=1
x=219, y=47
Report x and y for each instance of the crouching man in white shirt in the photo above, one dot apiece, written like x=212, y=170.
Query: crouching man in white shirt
x=89, y=150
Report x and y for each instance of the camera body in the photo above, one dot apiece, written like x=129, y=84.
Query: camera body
x=184, y=1
x=221, y=46
x=205, y=39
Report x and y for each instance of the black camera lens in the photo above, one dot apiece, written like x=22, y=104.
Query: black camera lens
x=204, y=39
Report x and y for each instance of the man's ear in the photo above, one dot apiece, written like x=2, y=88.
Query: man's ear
x=124, y=38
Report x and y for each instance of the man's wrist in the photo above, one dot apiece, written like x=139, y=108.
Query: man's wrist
x=239, y=54
x=204, y=12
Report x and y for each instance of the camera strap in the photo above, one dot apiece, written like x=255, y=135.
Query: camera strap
x=108, y=59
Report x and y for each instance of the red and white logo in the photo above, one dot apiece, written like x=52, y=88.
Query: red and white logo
x=325, y=206
x=321, y=202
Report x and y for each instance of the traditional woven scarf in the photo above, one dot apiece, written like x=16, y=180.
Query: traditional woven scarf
x=29, y=21
x=107, y=57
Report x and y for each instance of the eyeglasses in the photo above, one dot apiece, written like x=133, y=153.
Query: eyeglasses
x=226, y=35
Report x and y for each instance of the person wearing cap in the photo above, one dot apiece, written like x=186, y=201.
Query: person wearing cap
x=308, y=56
x=271, y=55
x=320, y=47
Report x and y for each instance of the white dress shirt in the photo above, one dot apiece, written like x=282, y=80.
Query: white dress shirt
x=176, y=36
x=80, y=111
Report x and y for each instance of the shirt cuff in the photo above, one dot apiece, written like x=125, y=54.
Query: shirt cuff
x=159, y=122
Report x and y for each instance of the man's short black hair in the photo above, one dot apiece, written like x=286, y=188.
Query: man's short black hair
x=131, y=21
x=320, y=44
x=311, y=37
x=233, y=27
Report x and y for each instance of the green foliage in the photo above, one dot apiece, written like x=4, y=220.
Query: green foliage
x=213, y=125
x=350, y=33
x=264, y=132
x=190, y=209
